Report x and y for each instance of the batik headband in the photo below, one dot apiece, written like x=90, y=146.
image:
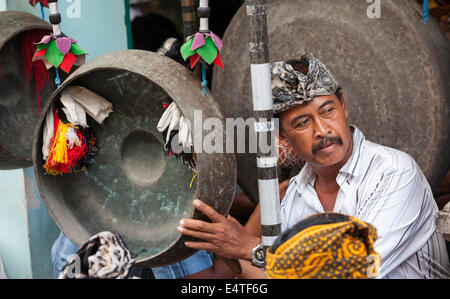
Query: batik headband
x=291, y=88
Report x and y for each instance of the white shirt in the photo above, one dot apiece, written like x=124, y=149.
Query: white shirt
x=386, y=188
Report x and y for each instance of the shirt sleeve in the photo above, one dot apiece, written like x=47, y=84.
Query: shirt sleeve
x=397, y=200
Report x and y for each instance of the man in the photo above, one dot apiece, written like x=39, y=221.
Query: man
x=344, y=173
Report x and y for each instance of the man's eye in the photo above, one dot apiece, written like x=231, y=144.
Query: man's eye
x=303, y=123
x=329, y=110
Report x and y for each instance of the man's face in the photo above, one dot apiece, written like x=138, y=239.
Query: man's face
x=318, y=131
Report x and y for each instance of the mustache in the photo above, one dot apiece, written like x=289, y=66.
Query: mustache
x=327, y=141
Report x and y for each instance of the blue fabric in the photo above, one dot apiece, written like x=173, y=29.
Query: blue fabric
x=63, y=248
x=198, y=262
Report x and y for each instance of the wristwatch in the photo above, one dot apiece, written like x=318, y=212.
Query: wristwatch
x=259, y=256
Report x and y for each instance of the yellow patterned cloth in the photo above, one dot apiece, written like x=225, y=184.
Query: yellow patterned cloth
x=337, y=250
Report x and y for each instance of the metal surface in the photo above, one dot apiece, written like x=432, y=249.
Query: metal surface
x=18, y=101
x=133, y=188
x=394, y=72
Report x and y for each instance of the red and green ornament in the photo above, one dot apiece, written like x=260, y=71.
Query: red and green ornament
x=206, y=46
x=59, y=52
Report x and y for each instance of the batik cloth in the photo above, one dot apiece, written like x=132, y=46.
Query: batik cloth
x=291, y=88
x=104, y=256
x=63, y=249
x=325, y=246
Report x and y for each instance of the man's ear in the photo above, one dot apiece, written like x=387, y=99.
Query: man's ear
x=282, y=138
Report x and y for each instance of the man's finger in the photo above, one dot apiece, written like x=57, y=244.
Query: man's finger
x=195, y=234
x=201, y=246
x=198, y=225
x=208, y=211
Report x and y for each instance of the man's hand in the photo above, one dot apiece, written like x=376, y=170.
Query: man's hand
x=224, y=236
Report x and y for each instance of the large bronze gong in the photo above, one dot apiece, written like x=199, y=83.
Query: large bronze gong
x=133, y=188
x=18, y=99
x=395, y=72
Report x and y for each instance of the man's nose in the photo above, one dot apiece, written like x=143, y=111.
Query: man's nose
x=321, y=129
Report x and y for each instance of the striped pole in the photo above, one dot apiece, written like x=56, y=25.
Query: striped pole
x=188, y=16
x=203, y=13
x=264, y=126
x=55, y=17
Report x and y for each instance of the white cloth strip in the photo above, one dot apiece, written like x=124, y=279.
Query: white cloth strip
x=49, y=131
x=261, y=87
x=95, y=105
x=266, y=162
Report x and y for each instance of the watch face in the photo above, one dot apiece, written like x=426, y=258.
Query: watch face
x=259, y=255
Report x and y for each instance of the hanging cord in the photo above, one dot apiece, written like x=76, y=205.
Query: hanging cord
x=204, y=81
x=426, y=11
x=42, y=11
x=57, y=78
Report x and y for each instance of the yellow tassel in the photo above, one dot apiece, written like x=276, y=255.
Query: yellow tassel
x=60, y=155
x=58, y=148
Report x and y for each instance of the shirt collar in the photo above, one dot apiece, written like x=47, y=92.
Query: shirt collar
x=350, y=167
x=307, y=174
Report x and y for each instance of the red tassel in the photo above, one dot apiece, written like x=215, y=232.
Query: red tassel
x=37, y=68
x=77, y=152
